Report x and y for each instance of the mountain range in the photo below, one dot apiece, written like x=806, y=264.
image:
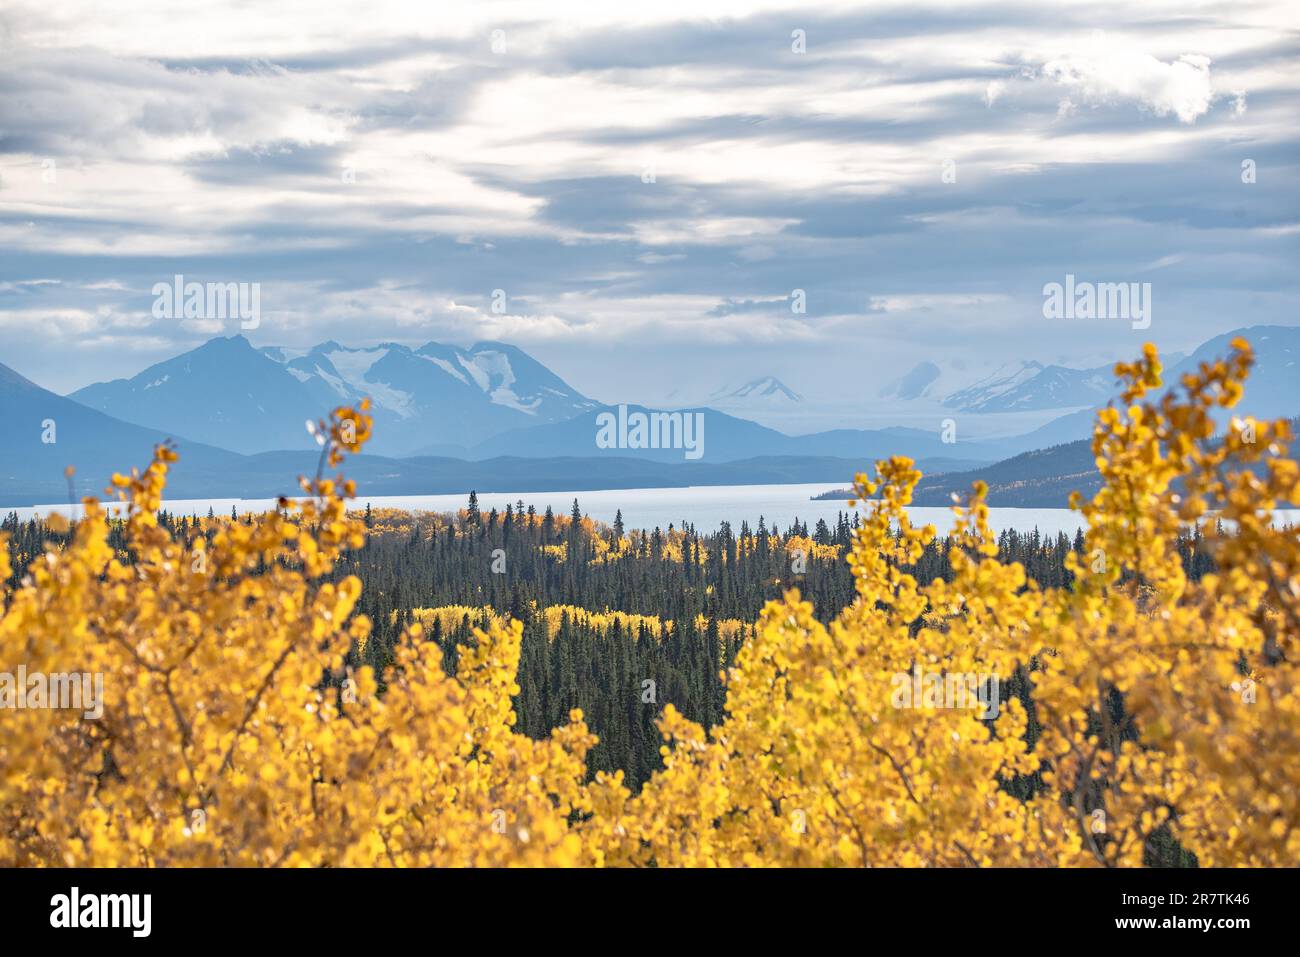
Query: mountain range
x=489, y=400
x=47, y=432
x=249, y=400
x=491, y=417
x=1034, y=386
x=1009, y=387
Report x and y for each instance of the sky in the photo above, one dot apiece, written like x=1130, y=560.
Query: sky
x=633, y=193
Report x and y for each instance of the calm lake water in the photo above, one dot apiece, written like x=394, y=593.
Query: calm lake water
x=704, y=506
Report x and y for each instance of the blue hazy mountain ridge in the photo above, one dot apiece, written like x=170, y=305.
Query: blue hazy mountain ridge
x=224, y=393
x=98, y=445
x=487, y=400
x=228, y=387
x=1032, y=386
x=43, y=433
x=1272, y=389
x=728, y=438
x=1045, y=475
x=248, y=400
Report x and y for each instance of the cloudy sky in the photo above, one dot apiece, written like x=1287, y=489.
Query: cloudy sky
x=646, y=183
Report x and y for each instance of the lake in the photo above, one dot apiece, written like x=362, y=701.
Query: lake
x=704, y=506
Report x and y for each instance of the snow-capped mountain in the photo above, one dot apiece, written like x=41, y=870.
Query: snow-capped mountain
x=1030, y=386
x=470, y=394
x=1033, y=386
x=766, y=391
x=232, y=395
x=444, y=400
x=918, y=383
x=932, y=382
x=1024, y=386
x=1272, y=389
x=223, y=393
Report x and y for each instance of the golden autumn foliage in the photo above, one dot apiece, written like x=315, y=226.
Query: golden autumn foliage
x=1155, y=703
x=450, y=616
x=672, y=546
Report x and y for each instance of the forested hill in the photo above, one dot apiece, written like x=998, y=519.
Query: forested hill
x=1043, y=478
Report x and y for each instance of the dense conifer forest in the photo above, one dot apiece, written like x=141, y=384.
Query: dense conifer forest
x=617, y=621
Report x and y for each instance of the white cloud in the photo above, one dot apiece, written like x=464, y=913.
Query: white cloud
x=194, y=135
x=909, y=302
x=1107, y=71
x=1173, y=259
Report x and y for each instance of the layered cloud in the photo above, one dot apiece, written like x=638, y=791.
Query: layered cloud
x=656, y=180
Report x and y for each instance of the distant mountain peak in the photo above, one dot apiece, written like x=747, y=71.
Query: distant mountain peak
x=767, y=388
x=914, y=384
x=226, y=343
x=1029, y=385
